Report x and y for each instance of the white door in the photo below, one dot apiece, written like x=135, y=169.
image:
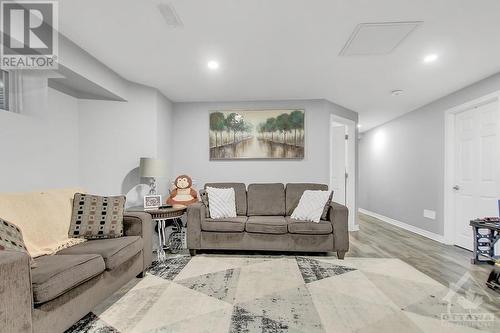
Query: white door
x=339, y=163
x=477, y=168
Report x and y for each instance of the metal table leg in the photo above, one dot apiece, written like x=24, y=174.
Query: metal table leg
x=158, y=224
x=162, y=241
x=176, y=240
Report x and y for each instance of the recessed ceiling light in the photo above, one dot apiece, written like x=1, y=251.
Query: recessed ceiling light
x=212, y=64
x=359, y=125
x=396, y=92
x=430, y=58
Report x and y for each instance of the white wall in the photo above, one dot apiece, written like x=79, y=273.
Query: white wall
x=402, y=161
x=60, y=141
x=80, y=61
x=39, y=147
x=164, y=127
x=191, y=125
x=114, y=135
x=97, y=144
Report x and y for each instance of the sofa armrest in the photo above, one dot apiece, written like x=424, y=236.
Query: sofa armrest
x=16, y=299
x=140, y=224
x=195, y=214
x=339, y=215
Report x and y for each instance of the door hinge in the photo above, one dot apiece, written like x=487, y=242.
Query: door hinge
x=346, y=175
x=347, y=136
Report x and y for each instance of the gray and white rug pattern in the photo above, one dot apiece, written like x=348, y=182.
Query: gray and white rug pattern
x=274, y=294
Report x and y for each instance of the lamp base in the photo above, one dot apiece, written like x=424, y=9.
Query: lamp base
x=152, y=186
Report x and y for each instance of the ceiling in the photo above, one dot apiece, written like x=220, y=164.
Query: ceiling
x=289, y=49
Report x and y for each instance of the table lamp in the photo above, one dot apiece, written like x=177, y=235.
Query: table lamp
x=152, y=168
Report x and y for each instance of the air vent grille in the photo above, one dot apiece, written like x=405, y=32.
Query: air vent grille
x=378, y=38
x=170, y=15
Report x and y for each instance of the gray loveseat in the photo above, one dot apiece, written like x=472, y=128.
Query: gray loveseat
x=264, y=223
x=63, y=288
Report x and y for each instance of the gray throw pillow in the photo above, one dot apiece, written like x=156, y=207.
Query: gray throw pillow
x=324, y=216
x=97, y=217
x=204, y=199
x=11, y=238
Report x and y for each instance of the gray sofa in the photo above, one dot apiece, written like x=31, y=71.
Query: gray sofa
x=264, y=223
x=63, y=288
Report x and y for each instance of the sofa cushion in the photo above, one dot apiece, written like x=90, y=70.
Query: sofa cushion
x=204, y=199
x=266, y=225
x=240, y=192
x=294, y=192
x=221, y=202
x=326, y=209
x=308, y=228
x=115, y=251
x=266, y=199
x=96, y=217
x=55, y=275
x=229, y=224
x=312, y=205
x=11, y=237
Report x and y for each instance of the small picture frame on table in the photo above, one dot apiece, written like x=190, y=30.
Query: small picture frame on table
x=152, y=202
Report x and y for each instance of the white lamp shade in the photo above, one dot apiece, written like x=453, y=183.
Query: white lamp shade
x=152, y=167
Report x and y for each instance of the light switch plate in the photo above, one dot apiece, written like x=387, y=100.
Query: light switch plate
x=430, y=214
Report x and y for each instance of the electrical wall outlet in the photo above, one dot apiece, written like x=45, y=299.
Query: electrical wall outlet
x=430, y=214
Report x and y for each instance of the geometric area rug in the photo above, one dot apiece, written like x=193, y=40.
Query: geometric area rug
x=297, y=294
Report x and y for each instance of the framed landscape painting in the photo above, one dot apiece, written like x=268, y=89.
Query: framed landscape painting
x=257, y=134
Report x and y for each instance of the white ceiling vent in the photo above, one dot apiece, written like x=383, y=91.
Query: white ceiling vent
x=170, y=15
x=377, y=38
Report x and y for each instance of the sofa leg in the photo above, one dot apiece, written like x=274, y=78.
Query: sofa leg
x=141, y=275
x=341, y=254
x=192, y=252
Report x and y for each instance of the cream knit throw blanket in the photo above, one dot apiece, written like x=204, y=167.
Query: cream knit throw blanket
x=43, y=217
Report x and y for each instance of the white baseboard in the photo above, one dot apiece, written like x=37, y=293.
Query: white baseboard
x=354, y=227
x=406, y=226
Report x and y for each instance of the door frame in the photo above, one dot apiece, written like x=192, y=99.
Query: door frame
x=351, y=167
x=449, y=159
x=335, y=126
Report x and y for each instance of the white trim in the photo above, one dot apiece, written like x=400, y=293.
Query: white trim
x=449, y=160
x=406, y=226
x=351, y=166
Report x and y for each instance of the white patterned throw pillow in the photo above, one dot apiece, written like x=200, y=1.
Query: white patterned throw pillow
x=311, y=206
x=221, y=202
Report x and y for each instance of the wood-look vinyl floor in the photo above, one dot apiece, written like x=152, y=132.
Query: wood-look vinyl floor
x=444, y=263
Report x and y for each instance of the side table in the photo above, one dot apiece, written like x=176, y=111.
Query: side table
x=486, y=234
x=161, y=216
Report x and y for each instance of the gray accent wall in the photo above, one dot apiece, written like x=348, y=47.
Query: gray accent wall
x=191, y=151
x=401, y=163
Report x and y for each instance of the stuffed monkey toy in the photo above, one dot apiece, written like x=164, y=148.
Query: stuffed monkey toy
x=183, y=194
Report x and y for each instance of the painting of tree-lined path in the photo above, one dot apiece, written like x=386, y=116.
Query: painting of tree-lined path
x=277, y=134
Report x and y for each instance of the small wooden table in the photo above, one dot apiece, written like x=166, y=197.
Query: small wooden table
x=175, y=241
